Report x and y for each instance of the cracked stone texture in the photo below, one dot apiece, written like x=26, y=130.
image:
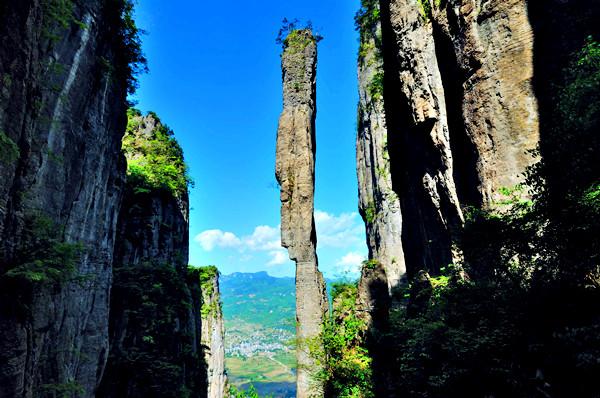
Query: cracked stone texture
x=66, y=114
x=461, y=115
x=213, y=336
x=493, y=43
x=378, y=203
x=295, y=172
x=419, y=140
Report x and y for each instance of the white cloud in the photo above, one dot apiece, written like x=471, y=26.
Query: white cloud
x=217, y=238
x=264, y=237
x=341, y=231
x=278, y=257
x=351, y=262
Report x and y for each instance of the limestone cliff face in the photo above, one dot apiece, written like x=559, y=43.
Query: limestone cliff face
x=213, y=334
x=447, y=115
x=422, y=159
x=62, y=108
x=459, y=117
x=295, y=172
x=379, y=205
x=492, y=64
x=155, y=334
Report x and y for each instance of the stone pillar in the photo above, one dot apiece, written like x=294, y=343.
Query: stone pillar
x=295, y=171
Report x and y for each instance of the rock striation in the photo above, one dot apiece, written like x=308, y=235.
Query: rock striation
x=68, y=214
x=64, y=70
x=447, y=119
x=379, y=205
x=451, y=82
x=295, y=172
x=213, y=332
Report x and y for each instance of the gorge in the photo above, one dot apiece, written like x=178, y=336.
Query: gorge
x=477, y=139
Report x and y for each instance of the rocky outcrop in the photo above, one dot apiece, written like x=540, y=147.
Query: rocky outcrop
x=155, y=334
x=447, y=119
x=63, y=68
x=486, y=51
x=454, y=89
x=378, y=203
x=422, y=159
x=213, y=331
x=295, y=172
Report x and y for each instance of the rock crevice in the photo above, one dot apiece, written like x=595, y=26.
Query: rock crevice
x=60, y=190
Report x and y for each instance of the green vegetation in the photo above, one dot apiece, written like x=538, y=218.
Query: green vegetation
x=375, y=87
x=262, y=368
x=158, y=359
x=382, y=172
x=154, y=160
x=205, y=277
x=367, y=18
x=294, y=36
x=425, y=9
x=234, y=392
x=46, y=258
x=347, y=366
x=366, y=22
x=519, y=318
x=64, y=390
x=370, y=213
x=130, y=60
x=10, y=150
x=371, y=264
x=259, y=313
x=58, y=14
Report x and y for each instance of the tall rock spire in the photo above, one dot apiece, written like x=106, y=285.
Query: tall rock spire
x=295, y=171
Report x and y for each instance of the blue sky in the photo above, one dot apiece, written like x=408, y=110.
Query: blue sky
x=215, y=79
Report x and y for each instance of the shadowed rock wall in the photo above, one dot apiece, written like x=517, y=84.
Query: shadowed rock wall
x=62, y=116
x=458, y=118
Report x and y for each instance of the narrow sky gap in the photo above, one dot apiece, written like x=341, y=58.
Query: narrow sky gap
x=215, y=79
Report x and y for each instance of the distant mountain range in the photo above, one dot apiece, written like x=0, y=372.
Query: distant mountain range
x=260, y=329
x=259, y=298
x=259, y=312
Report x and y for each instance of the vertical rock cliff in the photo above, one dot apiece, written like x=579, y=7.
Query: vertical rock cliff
x=379, y=205
x=64, y=68
x=468, y=91
x=155, y=334
x=295, y=172
x=455, y=107
x=213, y=328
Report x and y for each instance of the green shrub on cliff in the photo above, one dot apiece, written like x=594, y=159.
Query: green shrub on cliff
x=60, y=15
x=366, y=23
x=156, y=357
x=206, y=276
x=45, y=258
x=131, y=59
x=10, y=150
x=296, y=36
x=522, y=319
x=347, y=366
x=154, y=158
x=251, y=392
x=367, y=16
